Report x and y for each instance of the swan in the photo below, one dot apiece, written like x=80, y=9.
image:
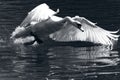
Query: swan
x=42, y=23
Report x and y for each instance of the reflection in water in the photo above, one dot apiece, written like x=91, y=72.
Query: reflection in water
x=57, y=62
x=31, y=63
x=70, y=62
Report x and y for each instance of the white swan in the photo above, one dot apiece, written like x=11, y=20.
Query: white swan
x=41, y=23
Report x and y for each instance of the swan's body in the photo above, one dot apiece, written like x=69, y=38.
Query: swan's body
x=43, y=24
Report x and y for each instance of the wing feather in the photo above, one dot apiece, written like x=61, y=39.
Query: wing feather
x=38, y=14
x=104, y=37
x=92, y=33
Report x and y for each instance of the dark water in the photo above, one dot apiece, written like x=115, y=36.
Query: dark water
x=18, y=62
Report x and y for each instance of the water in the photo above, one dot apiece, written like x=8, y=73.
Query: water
x=59, y=62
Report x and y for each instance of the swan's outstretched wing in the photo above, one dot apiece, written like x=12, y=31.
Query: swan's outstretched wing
x=38, y=14
x=92, y=33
